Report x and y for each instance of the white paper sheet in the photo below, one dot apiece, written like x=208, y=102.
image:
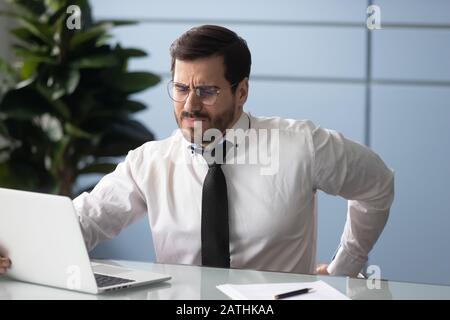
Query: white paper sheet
x=267, y=291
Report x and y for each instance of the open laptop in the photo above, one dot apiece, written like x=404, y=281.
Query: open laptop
x=42, y=236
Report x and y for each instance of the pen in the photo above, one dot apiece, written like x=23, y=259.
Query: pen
x=292, y=293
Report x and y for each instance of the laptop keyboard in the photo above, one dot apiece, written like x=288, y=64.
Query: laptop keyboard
x=106, y=281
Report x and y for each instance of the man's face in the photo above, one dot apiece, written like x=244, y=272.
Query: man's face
x=223, y=113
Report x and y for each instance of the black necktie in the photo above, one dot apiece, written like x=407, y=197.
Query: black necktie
x=215, y=229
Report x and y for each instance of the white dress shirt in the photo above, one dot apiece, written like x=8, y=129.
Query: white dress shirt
x=272, y=213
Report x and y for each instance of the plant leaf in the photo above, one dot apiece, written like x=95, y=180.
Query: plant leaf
x=60, y=81
x=57, y=105
x=132, y=82
x=93, y=34
x=24, y=103
x=33, y=54
x=79, y=78
x=96, y=61
x=77, y=132
x=122, y=136
x=8, y=71
x=134, y=106
x=25, y=35
x=117, y=23
x=28, y=68
x=31, y=8
x=103, y=40
x=37, y=29
x=72, y=80
x=58, y=14
x=132, y=53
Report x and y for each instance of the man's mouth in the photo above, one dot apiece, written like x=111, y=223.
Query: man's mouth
x=192, y=120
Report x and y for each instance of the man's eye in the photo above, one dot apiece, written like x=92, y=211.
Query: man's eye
x=181, y=88
x=207, y=92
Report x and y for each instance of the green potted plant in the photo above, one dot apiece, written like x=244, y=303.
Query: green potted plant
x=66, y=109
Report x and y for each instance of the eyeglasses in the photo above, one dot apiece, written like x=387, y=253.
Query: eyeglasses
x=179, y=92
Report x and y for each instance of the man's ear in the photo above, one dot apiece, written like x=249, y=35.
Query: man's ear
x=242, y=92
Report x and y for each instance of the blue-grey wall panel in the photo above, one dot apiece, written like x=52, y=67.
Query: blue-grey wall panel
x=413, y=54
x=411, y=130
x=284, y=10
x=414, y=11
x=276, y=50
x=334, y=106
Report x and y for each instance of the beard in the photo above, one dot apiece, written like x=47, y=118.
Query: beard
x=196, y=133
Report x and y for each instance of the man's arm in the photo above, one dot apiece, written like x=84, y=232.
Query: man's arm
x=114, y=203
x=353, y=171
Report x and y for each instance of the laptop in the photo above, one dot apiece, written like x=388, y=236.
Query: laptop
x=41, y=234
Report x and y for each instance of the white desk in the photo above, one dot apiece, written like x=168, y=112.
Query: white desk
x=193, y=283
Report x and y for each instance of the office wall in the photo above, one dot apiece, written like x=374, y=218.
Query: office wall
x=410, y=129
x=315, y=60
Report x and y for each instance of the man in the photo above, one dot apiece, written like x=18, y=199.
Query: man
x=208, y=204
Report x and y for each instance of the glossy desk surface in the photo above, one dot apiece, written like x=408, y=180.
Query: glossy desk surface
x=193, y=282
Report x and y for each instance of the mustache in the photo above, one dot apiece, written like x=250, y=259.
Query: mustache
x=194, y=114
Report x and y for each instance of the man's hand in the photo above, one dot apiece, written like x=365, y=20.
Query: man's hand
x=5, y=263
x=321, y=269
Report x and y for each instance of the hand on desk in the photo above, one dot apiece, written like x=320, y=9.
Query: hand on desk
x=321, y=269
x=5, y=263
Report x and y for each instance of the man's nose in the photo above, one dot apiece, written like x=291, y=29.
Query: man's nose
x=193, y=102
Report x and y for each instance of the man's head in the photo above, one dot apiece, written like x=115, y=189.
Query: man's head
x=210, y=71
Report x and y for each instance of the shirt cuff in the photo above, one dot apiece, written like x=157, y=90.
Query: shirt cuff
x=345, y=265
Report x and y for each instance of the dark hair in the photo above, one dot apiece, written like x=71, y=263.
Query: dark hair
x=210, y=40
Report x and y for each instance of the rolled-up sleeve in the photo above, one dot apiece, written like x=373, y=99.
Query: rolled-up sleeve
x=113, y=204
x=348, y=169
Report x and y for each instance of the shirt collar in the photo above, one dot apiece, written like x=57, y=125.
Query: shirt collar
x=242, y=123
